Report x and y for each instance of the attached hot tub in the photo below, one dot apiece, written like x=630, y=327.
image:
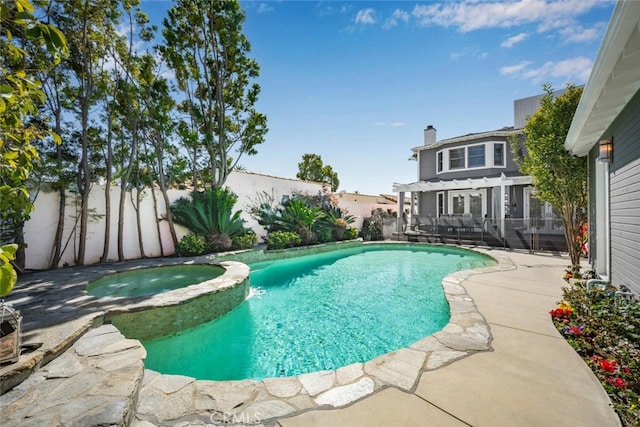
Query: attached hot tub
x=153, y=308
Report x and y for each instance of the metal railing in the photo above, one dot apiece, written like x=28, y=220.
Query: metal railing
x=532, y=234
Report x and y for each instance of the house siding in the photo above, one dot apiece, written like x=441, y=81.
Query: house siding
x=428, y=165
x=625, y=196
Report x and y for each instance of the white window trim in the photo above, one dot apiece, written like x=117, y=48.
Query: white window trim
x=488, y=157
x=504, y=153
x=438, y=194
x=481, y=191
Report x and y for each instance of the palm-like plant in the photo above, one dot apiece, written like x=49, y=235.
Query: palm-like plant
x=336, y=221
x=299, y=218
x=210, y=214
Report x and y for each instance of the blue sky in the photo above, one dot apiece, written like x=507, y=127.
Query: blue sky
x=356, y=82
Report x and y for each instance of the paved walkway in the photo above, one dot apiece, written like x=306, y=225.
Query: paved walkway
x=530, y=378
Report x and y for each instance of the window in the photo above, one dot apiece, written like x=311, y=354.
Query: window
x=468, y=202
x=498, y=154
x=456, y=158
x=440, y=204
x=458, y=204
x=476, y=156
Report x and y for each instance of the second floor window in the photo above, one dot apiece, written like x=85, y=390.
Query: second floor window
x=476, y=156
x=498, y=154
x=456, y=158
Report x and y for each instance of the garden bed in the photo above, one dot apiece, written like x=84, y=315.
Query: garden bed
x=604, y=329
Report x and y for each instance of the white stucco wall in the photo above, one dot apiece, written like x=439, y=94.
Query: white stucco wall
x=40, y=229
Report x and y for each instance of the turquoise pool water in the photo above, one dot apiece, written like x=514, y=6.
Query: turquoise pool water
x=154, y=280
x=320, y=312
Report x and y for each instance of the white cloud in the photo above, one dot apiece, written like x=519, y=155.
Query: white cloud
x=366, y=16
x=514, y=69
x=472, y=52
x=579, y=34
x=575, y=70
x=264, y=8
x=397, y=16
x=398, y=124
x=473, y=15
x=512, y=41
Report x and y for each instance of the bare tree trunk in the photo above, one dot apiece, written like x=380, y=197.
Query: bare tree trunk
x=157, y=219
x=54, y=260
x=86, y=84
x=136, y=206
x=107, y=189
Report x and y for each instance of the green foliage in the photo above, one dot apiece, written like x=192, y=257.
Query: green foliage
x=8, y=275
x=206, y=49
x=350, y=234
x=244, y=241
x=264, y=210
x=559, y=177
x=372, y=226
x=324, y=235
x=20, y=97
x=335, y=221
x=299, y=218
x=192, y=245
x=283, y=239
x=605, y=331
x=311, y=168
x=209, y=213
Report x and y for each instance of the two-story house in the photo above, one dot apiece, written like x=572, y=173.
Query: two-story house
x=470, y=188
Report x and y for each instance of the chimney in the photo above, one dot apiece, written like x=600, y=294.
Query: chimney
x=429, y=135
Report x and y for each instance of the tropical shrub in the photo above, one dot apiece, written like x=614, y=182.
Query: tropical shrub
x=335, y=220
x=605, y=331
x=244, y=241
x=209, y=213
x=372, y=226
x=299, y=218
x=192, y=245
x=350, y=233
x=282, y=240
x=265, y=211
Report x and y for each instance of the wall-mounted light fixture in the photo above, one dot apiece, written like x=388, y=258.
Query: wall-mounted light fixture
x=605, y=150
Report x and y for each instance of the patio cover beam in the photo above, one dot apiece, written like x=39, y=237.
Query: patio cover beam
x=462, y=184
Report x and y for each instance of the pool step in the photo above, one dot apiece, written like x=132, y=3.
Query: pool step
x=95, y=382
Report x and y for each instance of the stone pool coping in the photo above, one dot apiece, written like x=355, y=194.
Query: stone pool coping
x=163, y=398
x=57, y=310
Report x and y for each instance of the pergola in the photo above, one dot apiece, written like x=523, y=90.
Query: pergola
x=502, y=181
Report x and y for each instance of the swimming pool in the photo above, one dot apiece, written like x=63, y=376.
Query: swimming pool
x=320, y=312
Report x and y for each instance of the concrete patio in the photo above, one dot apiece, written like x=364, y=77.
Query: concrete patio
x=528, y=376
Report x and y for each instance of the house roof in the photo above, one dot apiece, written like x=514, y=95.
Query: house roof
x=614, y=79
x=501, y=133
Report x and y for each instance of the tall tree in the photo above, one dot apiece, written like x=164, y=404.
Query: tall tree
x=159, y=127
x=559, y=177
x=89, y=26
x=205, y=47
x=311, y=168
x=20, y=97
